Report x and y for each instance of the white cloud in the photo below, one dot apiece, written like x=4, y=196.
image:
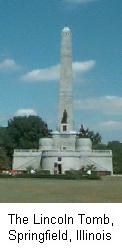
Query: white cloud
x=79, y=1
x=25, y=112
x=8, y=64
x=105, y=104
x=53, y=72
x=81, y=67
x=110, y=125
x=45, y=74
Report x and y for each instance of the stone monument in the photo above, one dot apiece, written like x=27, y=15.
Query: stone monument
x=64, y=150
x=66, y=77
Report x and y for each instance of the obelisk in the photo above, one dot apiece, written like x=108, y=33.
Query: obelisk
x=65, y=89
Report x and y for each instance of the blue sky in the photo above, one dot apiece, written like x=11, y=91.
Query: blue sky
x=30, y=57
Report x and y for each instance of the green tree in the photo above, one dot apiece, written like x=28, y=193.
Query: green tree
x=3, y=131
x=116, y=148
x=86, y=133
x=4, y=160
x=24, y=133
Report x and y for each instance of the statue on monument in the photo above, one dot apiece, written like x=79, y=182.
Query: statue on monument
x=64, y=118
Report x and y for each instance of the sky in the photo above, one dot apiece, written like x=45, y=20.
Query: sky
x=30, y=33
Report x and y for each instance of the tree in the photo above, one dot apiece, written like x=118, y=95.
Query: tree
x=24, y=133
x=4, y=161
x=2, y=136
x=116, y=148
x=86, y=133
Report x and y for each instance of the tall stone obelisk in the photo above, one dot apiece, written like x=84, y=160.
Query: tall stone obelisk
x=66, y=76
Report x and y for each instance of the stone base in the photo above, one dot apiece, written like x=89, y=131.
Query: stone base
x=60, y=161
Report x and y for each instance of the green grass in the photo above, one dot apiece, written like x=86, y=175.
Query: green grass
x=109, y=189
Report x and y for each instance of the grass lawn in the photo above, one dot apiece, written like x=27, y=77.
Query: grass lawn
x=109, y=189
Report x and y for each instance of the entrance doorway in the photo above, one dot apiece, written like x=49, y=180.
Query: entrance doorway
x=59, y=169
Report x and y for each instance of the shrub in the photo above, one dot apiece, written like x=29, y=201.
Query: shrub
x=43, y=172
x=76, y=174
x=68, y=176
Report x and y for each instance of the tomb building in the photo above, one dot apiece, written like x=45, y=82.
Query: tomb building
x=64, y=149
